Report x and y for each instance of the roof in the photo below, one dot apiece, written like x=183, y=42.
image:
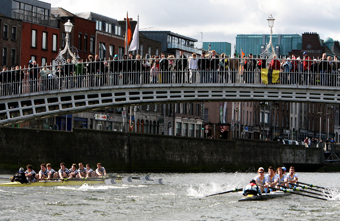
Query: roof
x=152, y=29
x=329, y=40
x=61, y=12
x=94, y=16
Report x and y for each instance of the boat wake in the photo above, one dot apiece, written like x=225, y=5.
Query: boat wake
x=86, y=187
x=332, y=194
x=203, y=190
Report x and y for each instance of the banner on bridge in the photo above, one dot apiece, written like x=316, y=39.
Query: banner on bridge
x=270, y=76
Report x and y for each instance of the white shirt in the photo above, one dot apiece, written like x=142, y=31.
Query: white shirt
x=193, y=63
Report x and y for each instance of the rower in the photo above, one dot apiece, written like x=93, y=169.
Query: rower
x=270, y=178
x=284, y=170
x=30, y=173
x=20, y=176
x=43, y=173
x=63, y=171
x=51, y=172
x=89, y=171
x=260, y=180
x=81, y=171
x=73, y=171
x=252, y=188
x=100, y=171
x=280, y=178
x=292, y=178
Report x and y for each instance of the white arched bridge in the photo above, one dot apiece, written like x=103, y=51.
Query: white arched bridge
x=55, y=93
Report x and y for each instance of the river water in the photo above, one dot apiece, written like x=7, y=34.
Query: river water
x=180, y=198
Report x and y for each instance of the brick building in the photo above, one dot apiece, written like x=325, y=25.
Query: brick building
x=82, y=38
x=10, y=43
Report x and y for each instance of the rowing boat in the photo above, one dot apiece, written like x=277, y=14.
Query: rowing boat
x=64, y=182
x=264, y=196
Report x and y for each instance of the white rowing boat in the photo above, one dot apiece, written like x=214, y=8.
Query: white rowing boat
x=264, y=196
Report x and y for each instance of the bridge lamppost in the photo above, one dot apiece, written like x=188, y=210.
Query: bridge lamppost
x=271, y=20
x=68, y=29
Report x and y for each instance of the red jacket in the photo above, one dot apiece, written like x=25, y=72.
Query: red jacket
x=307, y=63
x=274, y=64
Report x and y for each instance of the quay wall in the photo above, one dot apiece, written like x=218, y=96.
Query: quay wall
x=132, y=152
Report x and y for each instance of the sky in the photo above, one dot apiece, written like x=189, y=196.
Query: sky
x=219, y=20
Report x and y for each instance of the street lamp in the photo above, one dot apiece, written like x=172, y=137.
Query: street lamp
x=271, y=20
x=68, y=29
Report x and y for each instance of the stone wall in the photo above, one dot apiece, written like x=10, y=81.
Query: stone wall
x=132, y=152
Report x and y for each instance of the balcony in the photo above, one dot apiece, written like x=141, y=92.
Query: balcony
x=184, y=47
x=36, y=19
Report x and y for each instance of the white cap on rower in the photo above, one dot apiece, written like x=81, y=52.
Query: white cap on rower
x=261, y=168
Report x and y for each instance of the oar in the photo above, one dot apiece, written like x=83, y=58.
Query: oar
x=312, y=185
x=301, y=194
x=229, y=191
x=310, y=188
x=305, y=191
x=145, y=179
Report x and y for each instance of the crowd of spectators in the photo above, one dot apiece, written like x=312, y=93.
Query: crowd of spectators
x=130, y=69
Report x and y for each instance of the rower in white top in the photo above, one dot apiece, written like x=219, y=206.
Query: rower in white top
x=81, y=171
x=280, y=179
x=270, y=178
x=100, y=171
x=260, y=180
x=292, y=178
x=43, y=173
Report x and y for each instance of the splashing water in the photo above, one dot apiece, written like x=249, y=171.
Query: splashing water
x=332, y=193
x=203, y=190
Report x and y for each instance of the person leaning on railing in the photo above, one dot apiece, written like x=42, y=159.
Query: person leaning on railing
x=4, y=78
x=223, y=68
x=181, y=66
x=79, y=72
x=19, y=77
x=137, y=67
x=164, y=67
x=214, y=65
x=91, y=71
x=203, y=66
x=69, y=69
x=334, y=66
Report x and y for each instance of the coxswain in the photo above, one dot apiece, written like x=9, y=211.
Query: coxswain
x=280, y=179
x=43, y=173
x=260, y=180
x=89, y=171
x=30, y=173
x=73, y=171
x=292, y=178
x=51, y=172
x=270, y=177
x=100, y=171
x=252, y=188
x=20, y=176
x=63, y=171
x=81, y=171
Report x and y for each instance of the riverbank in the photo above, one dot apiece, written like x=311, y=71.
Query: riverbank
x=133, y=152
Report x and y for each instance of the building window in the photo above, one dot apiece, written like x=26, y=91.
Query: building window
x=99, y=25
x=13, y=56
x=4, y=56
x=185, y=129
x=118, y=30
x=177, y=108
x=34, y=39
x=191, y=109
x=33, y=58
x=112, y=50
x=206, y=114
x=92, y=45
x=43, y=61
x=85, y=42
x=14, y=33
x=63, y=35
x=102, y=50
x=44, y=41
x=197, y=110
x=178, y=129
x=54, y=42
x=120, y=51
x=141, y=50
x=108, y=28
x=5, y=34
x=79, y=41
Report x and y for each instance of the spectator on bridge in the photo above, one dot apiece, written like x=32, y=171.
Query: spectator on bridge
x=224, y=68
x=69, y=71
x=193, y=68
x=164, y=68
x=44, y=76
x=146, y=70
x=324, y=68
x=124, y=68
x=203, y=66
x=214, y=65
x=294, y=71
x=79, y=73
x=90, y=69
x=155, y=70
x=60, y=74
x=114, y=70
x=334, y=66
x=315, y=73
x=171, y=68
x=19, y=77
x=181, y=66
x=306, y=68
x=249, y=69
x=100, y=71
x=4, y=80
x=286, y=68
x=33, y=74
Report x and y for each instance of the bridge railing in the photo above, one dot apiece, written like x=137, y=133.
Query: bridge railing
x=247, y=71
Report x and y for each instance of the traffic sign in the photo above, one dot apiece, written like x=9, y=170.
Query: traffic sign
x=206, y=131
x=206, y=127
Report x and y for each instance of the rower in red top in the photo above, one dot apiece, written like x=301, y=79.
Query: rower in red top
x=252, y=188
